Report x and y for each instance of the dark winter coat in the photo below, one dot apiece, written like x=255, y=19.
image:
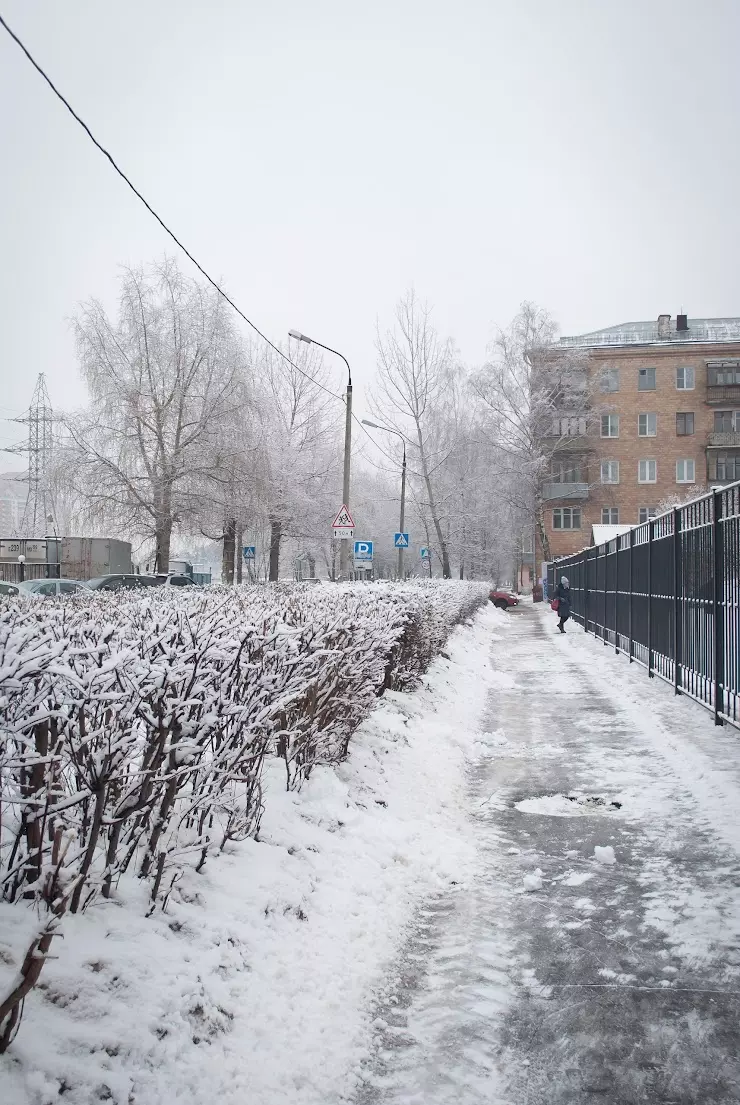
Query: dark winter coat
x=562, y=594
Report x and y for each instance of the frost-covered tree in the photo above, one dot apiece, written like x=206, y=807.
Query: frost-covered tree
x=414, y=375
x=538, y=398
x=163, y=380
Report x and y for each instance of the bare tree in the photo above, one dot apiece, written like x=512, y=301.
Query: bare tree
x=299, y=466
x=163, y=379
x=539, y=401
x=414, y=374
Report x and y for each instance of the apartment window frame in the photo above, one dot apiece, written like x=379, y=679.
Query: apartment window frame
x=649, y=513
x=609, y=381
x=567, y=471
x=734, y=422
x=612, y=471
x=610, y=421
x=684, y=372
x=686, y=432
x=729, y=460
x=612, y=515
x=562, y=513
x=723, y=374
x=644, y=378
x=685, y=461
x=646, y=478
x=647, y=416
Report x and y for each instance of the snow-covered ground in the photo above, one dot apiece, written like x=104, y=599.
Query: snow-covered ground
x=256, y=984
x=522, y=888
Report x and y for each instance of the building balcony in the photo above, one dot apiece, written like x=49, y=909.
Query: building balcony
x=569, y=443
x=727, y=440
x=553, y=491
x=723, y=393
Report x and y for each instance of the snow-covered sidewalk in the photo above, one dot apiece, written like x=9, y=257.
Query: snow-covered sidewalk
x=523, y=887
x=257, y=983
x=593, y=952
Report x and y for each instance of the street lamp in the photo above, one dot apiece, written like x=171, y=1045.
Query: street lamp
x=388, y=430
x=344, y=544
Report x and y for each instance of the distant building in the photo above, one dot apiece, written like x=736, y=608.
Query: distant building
x=13, y=493
x=666, y=418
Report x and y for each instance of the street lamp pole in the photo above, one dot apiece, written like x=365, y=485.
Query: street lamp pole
x=344, y=544
x=388, y=430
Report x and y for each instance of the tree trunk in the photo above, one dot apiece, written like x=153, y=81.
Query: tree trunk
x=163, y=537
x=239, y=557
x=462, y=569
x=227, y=561
x=276, y=533
x=446, y=570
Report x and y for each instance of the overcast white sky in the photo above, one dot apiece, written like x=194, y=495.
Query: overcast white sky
x=321, y=156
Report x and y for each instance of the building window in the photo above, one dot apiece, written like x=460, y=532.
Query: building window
x=685, y=379
x=610, y=425
x=646, y=379
x=646, y=513
x=647, y=471
x=726, y=422
x=566, y=471
x=609, y=380
x=725, y=467
x=569, y=426
x=566, y=517
x=647, y=425
x=685, y=424
x=610, y=471
x=722, y=373
x=610, y=515
x=685, y=471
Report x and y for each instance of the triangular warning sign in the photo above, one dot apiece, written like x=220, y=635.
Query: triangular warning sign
x=343, y=519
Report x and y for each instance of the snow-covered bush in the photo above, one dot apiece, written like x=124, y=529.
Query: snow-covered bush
x=134, y=731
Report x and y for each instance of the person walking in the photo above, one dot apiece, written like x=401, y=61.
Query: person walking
x=562, y=594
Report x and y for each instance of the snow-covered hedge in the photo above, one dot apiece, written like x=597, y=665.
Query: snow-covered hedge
x=134, y=731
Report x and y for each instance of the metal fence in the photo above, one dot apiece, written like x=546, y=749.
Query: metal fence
x=667, y=595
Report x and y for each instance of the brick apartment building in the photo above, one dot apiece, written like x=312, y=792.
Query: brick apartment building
x=664, y=417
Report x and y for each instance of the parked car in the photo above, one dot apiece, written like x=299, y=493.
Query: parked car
x=122, y=583
x=175, y=579
x=8, y=588
x=50, y=588
x=503, y=599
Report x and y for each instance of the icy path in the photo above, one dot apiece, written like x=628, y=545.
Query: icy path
x=550, y=975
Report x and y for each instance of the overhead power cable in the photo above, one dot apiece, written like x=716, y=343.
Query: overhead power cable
x=151, y=210
x=171, y=233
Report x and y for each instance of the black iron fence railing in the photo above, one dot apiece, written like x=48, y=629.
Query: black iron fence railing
x=667, y=595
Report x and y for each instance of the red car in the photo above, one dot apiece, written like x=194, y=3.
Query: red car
x=503, y=599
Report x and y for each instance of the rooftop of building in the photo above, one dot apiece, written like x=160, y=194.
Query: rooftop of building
x=663, y=331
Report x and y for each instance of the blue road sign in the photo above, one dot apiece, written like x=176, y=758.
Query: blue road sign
x=249, y=551
x=401, y=540
x=363, y=550
x=425, y=552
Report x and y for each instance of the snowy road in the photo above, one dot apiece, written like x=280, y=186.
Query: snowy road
x=594, y=952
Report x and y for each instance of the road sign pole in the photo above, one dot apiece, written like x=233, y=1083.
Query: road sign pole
x=403, y=511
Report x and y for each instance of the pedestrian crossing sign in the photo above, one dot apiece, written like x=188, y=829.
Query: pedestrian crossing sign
x=401, y=540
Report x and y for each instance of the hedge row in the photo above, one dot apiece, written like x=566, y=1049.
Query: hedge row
x=134, y=732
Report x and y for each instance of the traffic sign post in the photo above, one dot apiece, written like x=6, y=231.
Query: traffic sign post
x=343, y=526
x=426, y=554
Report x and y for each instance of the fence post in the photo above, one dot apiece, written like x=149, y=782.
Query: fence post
x=650, y=600
x=632, y=557
x=585, y=591
x=606, y=576
x=616, y=598
x=677, y=606
x=719, y=651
